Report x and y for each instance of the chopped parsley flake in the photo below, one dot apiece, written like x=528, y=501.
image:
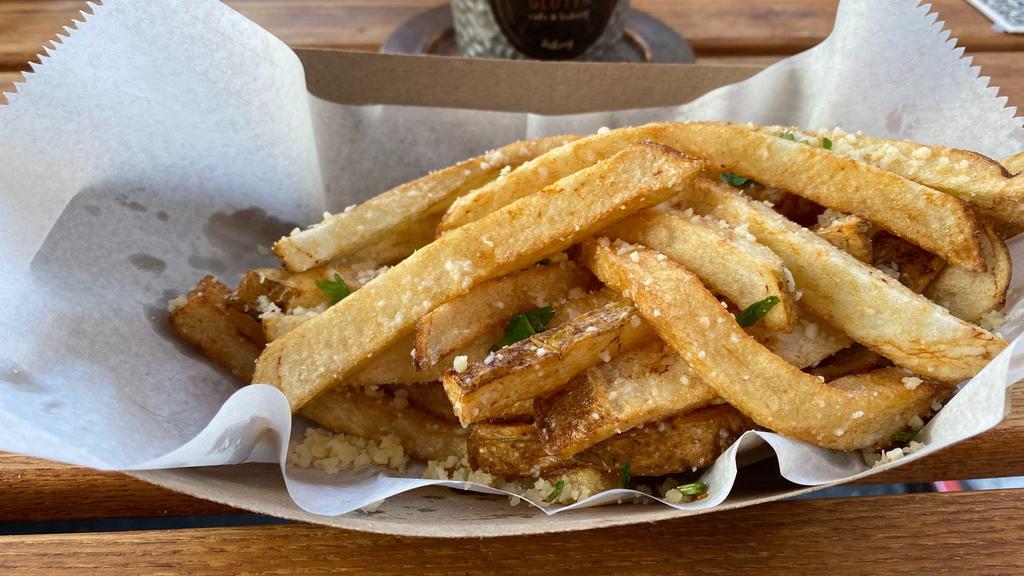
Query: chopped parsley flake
x=736, y=180
x=693, y=491
x=905, y=436
x=751, y=314
x=336, y=290
x=826, y=143
x=559, y=486
x=625, y=475
x=786, y=136
x=524, y=325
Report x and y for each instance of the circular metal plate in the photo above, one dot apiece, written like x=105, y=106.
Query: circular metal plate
x=646, y=38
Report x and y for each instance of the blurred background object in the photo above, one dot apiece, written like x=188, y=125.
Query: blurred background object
x=606, y=31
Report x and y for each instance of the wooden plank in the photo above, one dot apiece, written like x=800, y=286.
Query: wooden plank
x=34, y=490
x=723, y=27
x=39, y=490
x=939, y=534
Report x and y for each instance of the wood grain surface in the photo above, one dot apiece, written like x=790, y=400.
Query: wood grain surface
x=908, y=534
x=33, y=490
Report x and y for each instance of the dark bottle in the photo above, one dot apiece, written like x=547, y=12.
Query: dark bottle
x=541, y=29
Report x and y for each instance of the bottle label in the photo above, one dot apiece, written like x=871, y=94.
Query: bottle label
x=552, y=29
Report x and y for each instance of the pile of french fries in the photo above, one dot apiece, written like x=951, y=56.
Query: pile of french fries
x=628, y=303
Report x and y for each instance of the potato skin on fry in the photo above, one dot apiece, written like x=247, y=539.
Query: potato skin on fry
x=970, y=295
x=871, y=307
x=672, y=445
x=642, y=385
x=229, y=338
x=490, y=304
x=325, y=350
x=543, y=363
x=849, y=414
x=351, y=411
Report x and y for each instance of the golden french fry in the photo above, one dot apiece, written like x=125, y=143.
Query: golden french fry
x=397, y=245
x=389, y=213
x=849, y=414
x=543, y=363
x=489, y=305
x=729, y=263
x=352, y=411
x=868, y=305
x=937, y=222
x=849, y=233
x=229, y=338
x=853, y=360
x=325, y=350
x=810, y=342
x=639, y=386
x=975, y=179
x=970, y=295
x=675, y=444
x=912, y=266
x=1014, y=164
x=429, y=397
x=263, y=286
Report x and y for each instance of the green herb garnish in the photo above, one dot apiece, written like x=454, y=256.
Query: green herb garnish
x=336, y=290
x=786, y=136
x=625, y=475
x=692, y=491
x=906, y=436
x=751, y=314
x=524, y=325
x=736, y=180
x=559, y=486
x=826, y=143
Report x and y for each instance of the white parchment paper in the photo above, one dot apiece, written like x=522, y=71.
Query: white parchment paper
x=162, y=141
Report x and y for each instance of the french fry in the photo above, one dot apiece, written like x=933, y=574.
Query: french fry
x=490, y=304
x=645, y=384
x=849, y=233
x=738, y=268
x=937, y=222
x=351, y=411
x=387, y=214
x=429, y=397
x=868, y=305
x=276, y=324
x=852, y=360
x=851, y=413
x=1014, y=164
x=970, y=295
x=229, y=338
x=543, y=363
x=285, y=290
x=325, y=350
x=975, y=179
x=396, y=246
x=675, y=444
x=810, y=342
x=912, y=266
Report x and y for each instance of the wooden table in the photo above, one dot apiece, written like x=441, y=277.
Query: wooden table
x=976, y=532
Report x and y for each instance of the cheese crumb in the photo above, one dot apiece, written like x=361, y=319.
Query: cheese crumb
x=992, y=320
x=911, y=382
x=460, y=363
x=176, y=303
